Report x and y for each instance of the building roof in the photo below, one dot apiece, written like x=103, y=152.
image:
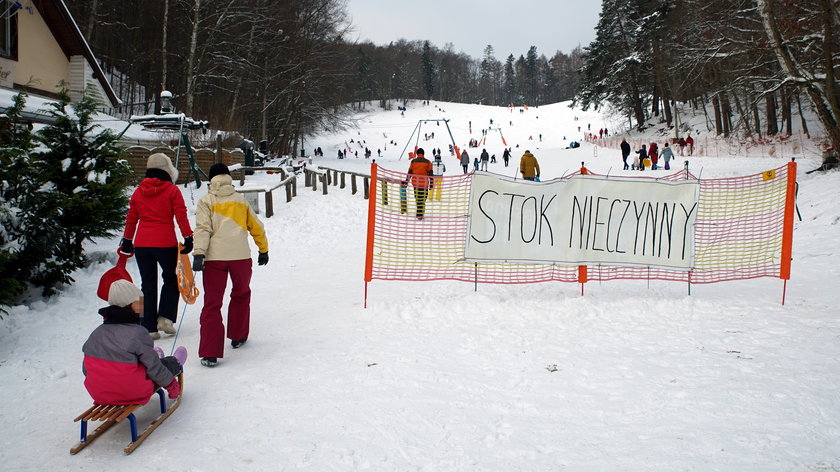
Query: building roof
x=68, y=35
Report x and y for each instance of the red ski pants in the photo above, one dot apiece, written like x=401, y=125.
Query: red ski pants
x=212, y=343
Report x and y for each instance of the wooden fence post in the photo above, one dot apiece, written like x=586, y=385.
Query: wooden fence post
x=269, y=204
x=343, y=174
x=326, y=179
x=288, y=191
x=367, y=188
x=353, y=187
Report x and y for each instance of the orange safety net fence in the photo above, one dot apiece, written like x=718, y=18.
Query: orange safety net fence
x=743, y=230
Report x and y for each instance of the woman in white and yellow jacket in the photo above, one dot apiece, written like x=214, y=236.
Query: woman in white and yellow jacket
x=223, y=220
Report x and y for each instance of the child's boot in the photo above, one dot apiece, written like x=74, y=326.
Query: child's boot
x=180, y=354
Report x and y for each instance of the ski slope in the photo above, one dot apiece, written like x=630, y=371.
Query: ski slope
x=437, y=376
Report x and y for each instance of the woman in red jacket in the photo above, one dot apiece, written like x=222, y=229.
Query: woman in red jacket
x=150, y=233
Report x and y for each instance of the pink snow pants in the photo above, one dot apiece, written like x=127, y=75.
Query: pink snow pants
x=212, y=343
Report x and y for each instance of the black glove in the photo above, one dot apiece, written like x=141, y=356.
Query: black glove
x=198, y=263
x=188, y=245
x=262, y=259
x=127, y=246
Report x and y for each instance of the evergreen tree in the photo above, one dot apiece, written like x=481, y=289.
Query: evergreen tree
x=531, y=76
x=17, y=188
x=83, y=195
x=613, y=63
x=509, y=87
x=489, y=78
x=428, y=71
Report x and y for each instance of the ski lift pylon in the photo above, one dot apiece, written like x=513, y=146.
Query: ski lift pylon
x=417, y=140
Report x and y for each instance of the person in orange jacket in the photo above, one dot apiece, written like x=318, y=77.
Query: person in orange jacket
x=419, y=172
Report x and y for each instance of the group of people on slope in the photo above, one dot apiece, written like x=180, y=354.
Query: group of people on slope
x=646, y=157
x=425, y=176
x=481, y=162
x=121, y=364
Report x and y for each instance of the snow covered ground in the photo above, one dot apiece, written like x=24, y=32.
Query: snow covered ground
x=435, y=376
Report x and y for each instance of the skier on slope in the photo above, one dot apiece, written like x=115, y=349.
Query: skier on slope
x=465, y=161
x=625, y=152
x=485, y=158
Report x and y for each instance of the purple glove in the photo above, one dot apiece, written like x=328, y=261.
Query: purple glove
x=174, y=389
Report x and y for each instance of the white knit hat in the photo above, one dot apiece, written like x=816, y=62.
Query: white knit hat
x=161, y=161
x=123, y=293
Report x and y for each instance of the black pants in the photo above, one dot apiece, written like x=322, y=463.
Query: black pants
x=420, y=196
x=466, y=167
x=148, y=259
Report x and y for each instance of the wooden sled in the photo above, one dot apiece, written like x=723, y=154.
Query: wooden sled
x=113, y=414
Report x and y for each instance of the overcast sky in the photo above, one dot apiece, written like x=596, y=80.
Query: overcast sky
x=510, y=26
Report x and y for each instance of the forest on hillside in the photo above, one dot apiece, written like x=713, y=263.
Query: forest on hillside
x=280, y=70
x=759, y=63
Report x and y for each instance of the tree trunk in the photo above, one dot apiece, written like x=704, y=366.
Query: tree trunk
x=802, y=117
x=826, y=105
x=654, y=103
x=718, y=122
x=787, y=114
x=191, y=58
x=772, y=124
x=726, y=114
x=91, y=20
x=238, y=89
x=745, y=117
x=756, y=115
x=163, y=49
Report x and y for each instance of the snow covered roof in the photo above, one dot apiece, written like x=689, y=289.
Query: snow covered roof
x=168, y=121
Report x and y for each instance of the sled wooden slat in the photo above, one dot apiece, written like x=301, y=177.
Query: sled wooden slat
x=110, y=415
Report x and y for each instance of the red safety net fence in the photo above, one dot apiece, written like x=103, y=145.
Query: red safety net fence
x=743, y=230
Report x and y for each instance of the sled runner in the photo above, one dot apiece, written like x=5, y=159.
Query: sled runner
x=113, y=414
x=113, y=274
x=186, y=278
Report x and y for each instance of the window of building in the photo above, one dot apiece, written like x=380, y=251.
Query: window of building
x=8, y=28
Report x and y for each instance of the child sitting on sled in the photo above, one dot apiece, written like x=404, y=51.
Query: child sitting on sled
x=121, y=364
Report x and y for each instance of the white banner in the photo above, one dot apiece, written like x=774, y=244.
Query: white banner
x=582, y=220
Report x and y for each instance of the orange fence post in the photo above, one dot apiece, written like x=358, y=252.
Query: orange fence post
x=787, y=231
x=582, y=272
x=370, y=228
